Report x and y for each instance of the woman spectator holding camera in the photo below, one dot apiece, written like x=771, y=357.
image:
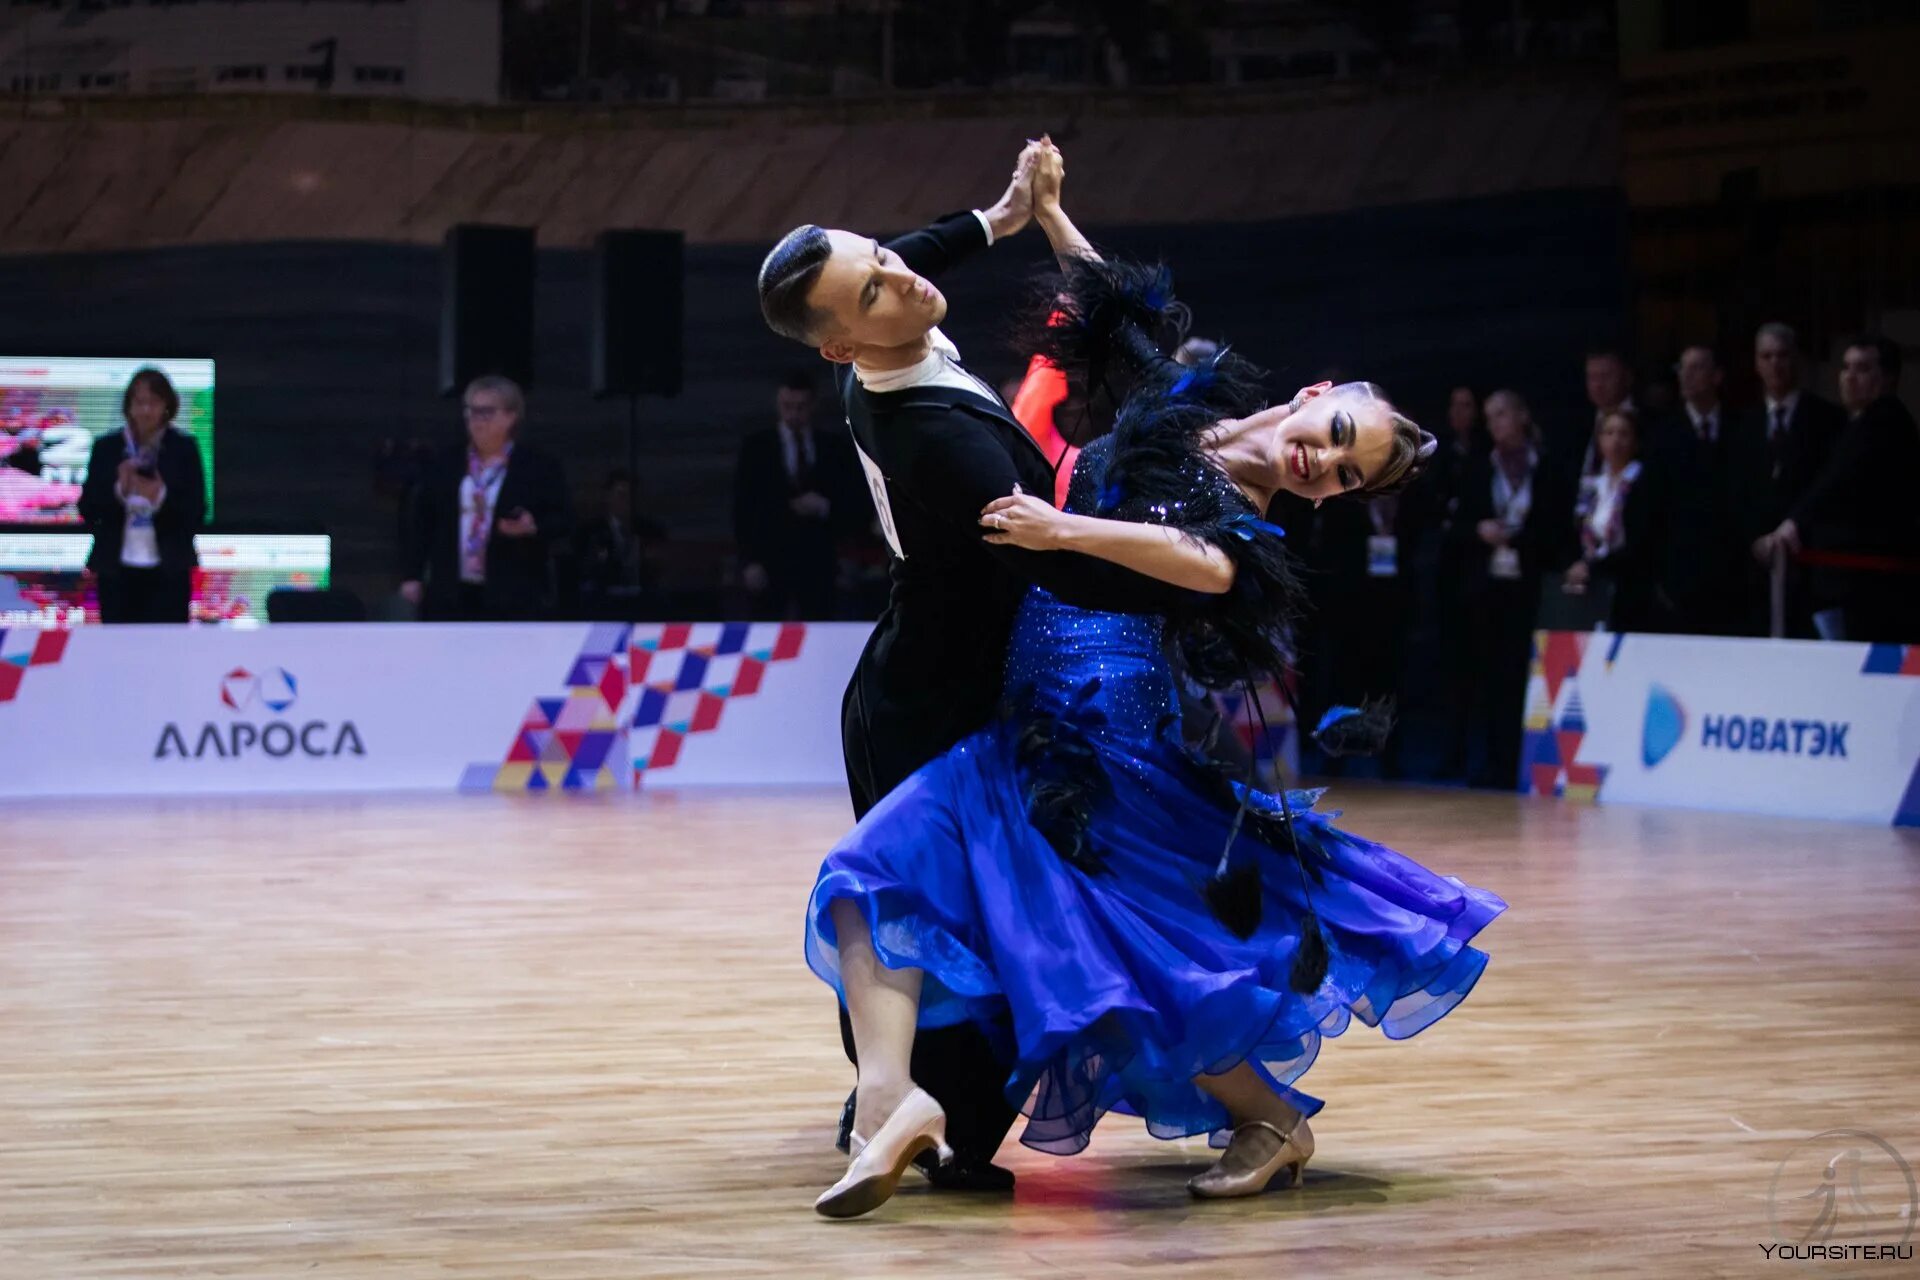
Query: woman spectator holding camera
x=145, y=497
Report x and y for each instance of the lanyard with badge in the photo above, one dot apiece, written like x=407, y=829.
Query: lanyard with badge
x=1383, y=546
x=146, y=465
x=1511, y=504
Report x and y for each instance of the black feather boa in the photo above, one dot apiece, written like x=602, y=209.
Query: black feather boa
x=1065, y=781
x=1102, y=323
x=1111, y=327
x=1159, y=471
x=1114, y=325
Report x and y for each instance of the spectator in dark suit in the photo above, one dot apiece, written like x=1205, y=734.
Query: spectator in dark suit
x=145, y=497
x=1700, y=381
x=796, y=493
x=1779, y=450
x=1609, y=387
x=485, y=520
x=1862, y=504
x=1442, y=563
x=614, y=555
x=1698, y=483
x=1506, y=529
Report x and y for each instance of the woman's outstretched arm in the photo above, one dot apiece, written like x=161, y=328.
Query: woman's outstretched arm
x=1049, y=170
x=1154, y=550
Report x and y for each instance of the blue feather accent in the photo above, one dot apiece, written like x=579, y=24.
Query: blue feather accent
x=1335, y=715
x=1159, y=291
x=1244, y=526
x=1355, y=731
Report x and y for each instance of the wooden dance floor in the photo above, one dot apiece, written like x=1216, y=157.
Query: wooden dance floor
x=477, y=1037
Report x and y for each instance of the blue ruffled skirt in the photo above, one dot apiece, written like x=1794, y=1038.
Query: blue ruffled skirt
x=1111, y=991
x=1121, y=987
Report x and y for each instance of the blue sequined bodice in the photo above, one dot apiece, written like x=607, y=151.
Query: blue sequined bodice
x=1056, y=647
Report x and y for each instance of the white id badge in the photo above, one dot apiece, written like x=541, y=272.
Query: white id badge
x=1505, y=563
x=1383, y=556
x=877, y=486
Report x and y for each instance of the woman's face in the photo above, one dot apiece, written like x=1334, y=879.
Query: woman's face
x=1619, y=442
x=145, y=410
x=1506, y=422
x=1337, y=442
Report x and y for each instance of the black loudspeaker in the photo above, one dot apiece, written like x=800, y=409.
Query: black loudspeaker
x=638, y=305
x=486, y=305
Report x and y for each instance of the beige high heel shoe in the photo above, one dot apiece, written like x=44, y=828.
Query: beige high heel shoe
x=873, y=1175
x=1257, y=1155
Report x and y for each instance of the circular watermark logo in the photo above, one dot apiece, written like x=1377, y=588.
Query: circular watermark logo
x=1845, y=1193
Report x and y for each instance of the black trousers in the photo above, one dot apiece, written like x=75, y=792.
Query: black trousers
x=145, y=595
x=802, y=587
x=1501, y=625
x=956, y=1065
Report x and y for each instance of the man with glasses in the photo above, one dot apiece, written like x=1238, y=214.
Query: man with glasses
x=476, y=541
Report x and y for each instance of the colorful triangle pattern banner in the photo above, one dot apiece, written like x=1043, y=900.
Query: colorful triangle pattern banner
x=22, y=649
x=633, y=696
x=1556, y=721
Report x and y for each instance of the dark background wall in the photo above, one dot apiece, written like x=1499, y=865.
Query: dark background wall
x=327, y=349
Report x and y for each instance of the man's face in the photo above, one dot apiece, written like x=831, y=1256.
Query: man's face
x=1776, y=364
x=1699, y=376
x=872, y=298
x=796, y=408
x=1606, y=382
x=1861, y=379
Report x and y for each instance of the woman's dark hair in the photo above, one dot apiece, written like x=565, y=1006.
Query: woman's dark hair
x=1407, y=456
x=787, y=276
x=156, y=383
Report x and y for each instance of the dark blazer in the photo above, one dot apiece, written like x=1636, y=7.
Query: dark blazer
x=1768, y=481
x=1542, y=536
x=1644, y=569
x=518, y=583
x=1862, y=502
x=174, y=524
x=931, y=672
x=764, y=526
x=1862, y=499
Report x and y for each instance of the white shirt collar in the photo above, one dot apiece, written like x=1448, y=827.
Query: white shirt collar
x=1789, y=403
x=927, y=369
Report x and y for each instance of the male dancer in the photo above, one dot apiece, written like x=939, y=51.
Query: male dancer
x=938, y=445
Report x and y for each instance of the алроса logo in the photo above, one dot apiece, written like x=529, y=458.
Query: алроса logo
x=276, y=690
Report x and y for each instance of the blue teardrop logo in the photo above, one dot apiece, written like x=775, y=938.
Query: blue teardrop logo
x=1661, y=731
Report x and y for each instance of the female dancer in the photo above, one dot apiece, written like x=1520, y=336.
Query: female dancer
x=1065, y=864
